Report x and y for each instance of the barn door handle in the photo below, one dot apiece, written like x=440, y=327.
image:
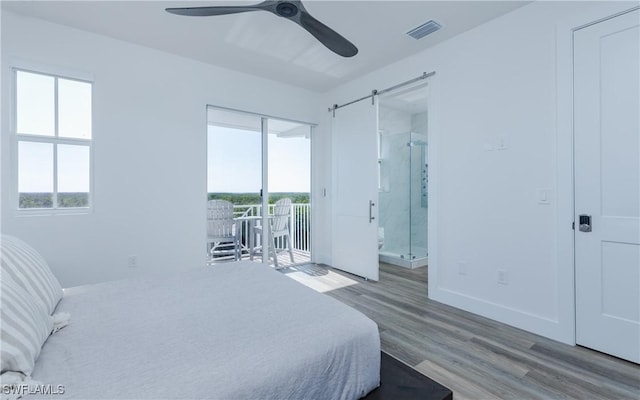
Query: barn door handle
x=371, y=217
x=584, y=223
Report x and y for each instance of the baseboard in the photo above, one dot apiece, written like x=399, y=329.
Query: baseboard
x=547, y=327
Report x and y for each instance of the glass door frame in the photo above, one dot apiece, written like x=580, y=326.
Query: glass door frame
x=264, y=118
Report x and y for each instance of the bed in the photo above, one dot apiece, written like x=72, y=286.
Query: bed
x=231, y=331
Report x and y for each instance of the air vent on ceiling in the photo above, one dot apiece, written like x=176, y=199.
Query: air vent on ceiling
x=425, y=29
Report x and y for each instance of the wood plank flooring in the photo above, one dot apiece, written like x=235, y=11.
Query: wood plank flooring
x=477, y=358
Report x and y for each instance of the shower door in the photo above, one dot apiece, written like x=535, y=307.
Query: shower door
x=403, y=167
x=418, y=187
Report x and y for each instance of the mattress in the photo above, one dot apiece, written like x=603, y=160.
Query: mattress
x=231, y=331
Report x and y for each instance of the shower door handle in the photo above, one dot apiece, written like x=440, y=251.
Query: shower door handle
x=371, y=217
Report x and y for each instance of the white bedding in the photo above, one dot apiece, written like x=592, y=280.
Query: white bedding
x=231, y=331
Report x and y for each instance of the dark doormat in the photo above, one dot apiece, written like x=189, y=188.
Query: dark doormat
x=400, y=382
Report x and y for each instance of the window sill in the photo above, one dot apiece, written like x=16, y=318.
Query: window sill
x=51, y=212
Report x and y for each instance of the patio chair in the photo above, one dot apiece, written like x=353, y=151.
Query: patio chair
x=222, y=241
x=278, y=230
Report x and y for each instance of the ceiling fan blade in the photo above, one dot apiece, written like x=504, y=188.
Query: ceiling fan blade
x=327, y=36
x=214, y=10
x=289, y=9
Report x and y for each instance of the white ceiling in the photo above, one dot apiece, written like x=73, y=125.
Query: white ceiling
x=262, y=44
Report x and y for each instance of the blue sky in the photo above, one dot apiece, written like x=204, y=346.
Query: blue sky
x=36, y=115
x=235, y=159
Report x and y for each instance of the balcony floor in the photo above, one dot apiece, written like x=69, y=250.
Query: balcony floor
x=284, y=261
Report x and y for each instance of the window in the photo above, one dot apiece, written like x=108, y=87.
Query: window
x=54, y=140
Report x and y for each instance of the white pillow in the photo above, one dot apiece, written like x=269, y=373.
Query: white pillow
x=24, y=327
x=28, y=269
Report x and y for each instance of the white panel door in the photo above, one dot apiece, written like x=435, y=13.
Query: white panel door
x=607, y=185
x=355, y=189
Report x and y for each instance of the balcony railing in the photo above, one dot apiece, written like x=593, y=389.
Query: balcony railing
x=299, y=224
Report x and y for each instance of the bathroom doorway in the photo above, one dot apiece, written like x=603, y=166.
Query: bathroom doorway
x=403, y=180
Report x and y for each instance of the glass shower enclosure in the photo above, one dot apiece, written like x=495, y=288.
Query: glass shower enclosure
x=403, y=181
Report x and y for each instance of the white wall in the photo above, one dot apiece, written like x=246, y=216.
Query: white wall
x=149, y=149
x=494, y=84
x=321, y=195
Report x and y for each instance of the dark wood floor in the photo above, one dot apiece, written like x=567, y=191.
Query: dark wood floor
x=475, y=357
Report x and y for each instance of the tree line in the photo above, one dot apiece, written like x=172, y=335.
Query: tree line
x=45, y=200
x=254, y=198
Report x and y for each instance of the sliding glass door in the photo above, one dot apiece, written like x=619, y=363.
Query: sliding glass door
x=234, y=175
x=261, y=165
x=289, y=167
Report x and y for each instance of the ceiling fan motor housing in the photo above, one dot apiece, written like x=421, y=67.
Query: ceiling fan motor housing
x=286, y=10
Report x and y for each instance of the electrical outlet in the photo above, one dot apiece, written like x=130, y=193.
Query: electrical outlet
x=503, y=143
x=462, y=268
x=132, y=261
x=503, y=277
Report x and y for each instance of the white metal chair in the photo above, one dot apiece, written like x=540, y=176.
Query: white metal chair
x=222, y=241
x=278, y=230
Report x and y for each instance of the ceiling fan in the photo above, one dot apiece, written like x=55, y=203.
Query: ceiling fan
x=292, y=10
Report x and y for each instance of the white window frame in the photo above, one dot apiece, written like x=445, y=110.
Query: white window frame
x=54, y=140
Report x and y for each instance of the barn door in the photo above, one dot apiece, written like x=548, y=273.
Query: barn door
x=355, y=187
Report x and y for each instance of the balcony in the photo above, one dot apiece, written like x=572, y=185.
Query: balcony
x=299, y=224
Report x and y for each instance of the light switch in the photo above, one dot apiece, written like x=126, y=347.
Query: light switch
x=503, y=277
x=544, y=196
